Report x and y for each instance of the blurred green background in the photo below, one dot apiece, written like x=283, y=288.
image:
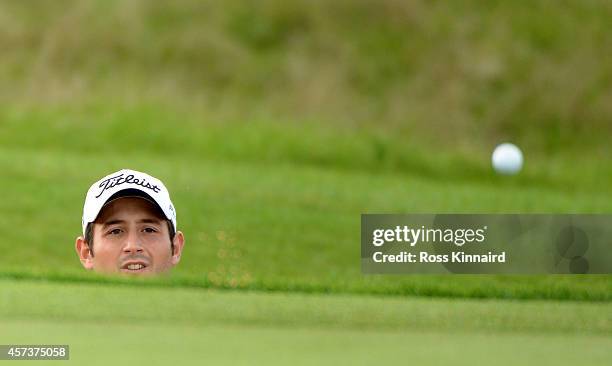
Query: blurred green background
x=275, y=124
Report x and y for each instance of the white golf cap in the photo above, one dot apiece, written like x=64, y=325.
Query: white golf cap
x=127, y=183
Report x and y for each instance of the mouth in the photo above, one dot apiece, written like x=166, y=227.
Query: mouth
x=134, y=267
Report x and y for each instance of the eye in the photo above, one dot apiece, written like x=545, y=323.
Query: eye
x=115, y=232
x=150, y=230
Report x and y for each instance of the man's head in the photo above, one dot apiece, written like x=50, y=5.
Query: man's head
x=129, y=226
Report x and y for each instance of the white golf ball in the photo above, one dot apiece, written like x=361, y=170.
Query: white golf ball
x=507, y=159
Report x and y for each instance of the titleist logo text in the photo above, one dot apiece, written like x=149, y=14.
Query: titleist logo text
x=119, y=180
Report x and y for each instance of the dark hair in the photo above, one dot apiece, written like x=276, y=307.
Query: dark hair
x=89, y=236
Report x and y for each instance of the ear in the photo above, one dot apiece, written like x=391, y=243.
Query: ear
x=84, y=253
x=179, y=242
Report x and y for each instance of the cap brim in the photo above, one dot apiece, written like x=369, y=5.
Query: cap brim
x=132, y=192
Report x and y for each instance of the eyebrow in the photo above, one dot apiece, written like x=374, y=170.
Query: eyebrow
x=142, y=221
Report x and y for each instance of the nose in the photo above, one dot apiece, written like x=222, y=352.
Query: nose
x=133, y=244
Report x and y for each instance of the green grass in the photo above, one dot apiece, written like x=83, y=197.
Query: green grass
x=104, y=324
x=133, y=304
x=126, y=343
x=275, y=126
x=259, y=210
x=467, y=74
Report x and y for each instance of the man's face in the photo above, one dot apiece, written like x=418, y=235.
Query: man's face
x=130, y=236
